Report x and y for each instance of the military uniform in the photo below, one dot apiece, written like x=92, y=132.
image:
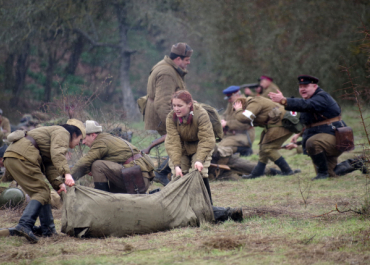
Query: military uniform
x=318, y=139
x=189, y=143
x=271, y=88
x=262, y=112
x=106, y=158
x=165, y=79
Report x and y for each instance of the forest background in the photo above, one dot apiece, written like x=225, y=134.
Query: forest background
x=51, y=48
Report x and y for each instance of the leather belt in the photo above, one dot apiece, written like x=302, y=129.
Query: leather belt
x=33, y=142
x=137, y=156
x=325, y=122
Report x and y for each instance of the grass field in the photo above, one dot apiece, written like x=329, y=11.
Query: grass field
x=288, y=220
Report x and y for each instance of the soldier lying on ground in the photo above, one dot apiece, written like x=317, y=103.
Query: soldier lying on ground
x=111, y=161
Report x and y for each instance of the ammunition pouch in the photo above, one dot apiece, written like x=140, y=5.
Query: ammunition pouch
x=344, y=139
x=133, y=180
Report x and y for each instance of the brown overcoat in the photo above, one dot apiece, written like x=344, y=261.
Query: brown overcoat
x=233, y=128
x=110, y=148
x=264, y=113
x=5, y=125
x=53, y=143
x=165, y=79
x=196, y=138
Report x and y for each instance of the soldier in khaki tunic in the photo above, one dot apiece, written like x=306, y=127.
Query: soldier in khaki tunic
x=4, y=125
x=190, y=139
x=259, y=111
x=265, y=87
x=166, y=77
x=28, y=158
x=107, y=156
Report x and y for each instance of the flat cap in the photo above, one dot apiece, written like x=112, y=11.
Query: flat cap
x=265, y=77
x=79, y=125
x=230, y=90
x=93, y=127
x=307, y=79
x=252, y=86
x=182, y=49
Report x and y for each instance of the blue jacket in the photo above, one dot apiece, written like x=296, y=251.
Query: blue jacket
x=321, y=106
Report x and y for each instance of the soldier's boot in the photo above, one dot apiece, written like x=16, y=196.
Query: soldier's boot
x=285, y=168
x=359, y=163
x=27, y=221
x=47, y=227
x=222, y=214
x=322, y=166
x=101, y=186
x=206, y=183
x=257, y=171
x=161, y=176
x=4, y=232
x=244, y=150
x=272, y=172
x=349, y=166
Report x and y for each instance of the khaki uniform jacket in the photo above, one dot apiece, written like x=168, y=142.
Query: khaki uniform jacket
x=233, y=125
x=5, y=125
x=165, y=79
x=53, y=143
x=110, y=148
x=196, y=138
x=263, y=112
x=271, y=88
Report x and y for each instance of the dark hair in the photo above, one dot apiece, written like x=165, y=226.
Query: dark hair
x=173, y=56
x=187, y=98
x=72, y=130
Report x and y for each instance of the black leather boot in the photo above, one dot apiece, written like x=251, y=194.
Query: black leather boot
x=206, y=183
x=344, y=168
x=222, y=214
x=322, y=166
x=164, y=170
x=273, y=172
x=285, y=168
x=27, y=221
x=257, y=171
x=47, y=227
x=359, y=163
x=102, y=186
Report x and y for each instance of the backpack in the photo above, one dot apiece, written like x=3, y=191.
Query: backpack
x=215, y=120
x=291, y=121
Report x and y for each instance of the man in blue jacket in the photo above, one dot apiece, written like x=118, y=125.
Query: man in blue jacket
x=320, y=114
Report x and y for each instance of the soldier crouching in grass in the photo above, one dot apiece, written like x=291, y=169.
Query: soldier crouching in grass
x=41, y=151
x=321, y=115
x=111, y=161
x=260, y=111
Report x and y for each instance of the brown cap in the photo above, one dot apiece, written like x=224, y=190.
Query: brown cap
x=79, y=125
x=182, y=49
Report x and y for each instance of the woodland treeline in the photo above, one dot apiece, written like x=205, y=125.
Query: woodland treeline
x=52, y=47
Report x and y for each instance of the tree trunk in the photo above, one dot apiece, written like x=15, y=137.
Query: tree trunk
x=9, y=81
x=75, y=56
x=129, y=104
x=20, y=75
x=49, y=75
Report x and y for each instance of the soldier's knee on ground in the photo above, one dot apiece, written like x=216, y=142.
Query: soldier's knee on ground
x=97, y=171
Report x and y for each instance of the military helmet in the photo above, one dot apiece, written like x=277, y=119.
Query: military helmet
x=11, y=197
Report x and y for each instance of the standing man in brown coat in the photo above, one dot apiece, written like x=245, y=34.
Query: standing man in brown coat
x=166, y=77
x=4, y=125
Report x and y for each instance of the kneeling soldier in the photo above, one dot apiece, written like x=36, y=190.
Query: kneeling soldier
x=108, y=160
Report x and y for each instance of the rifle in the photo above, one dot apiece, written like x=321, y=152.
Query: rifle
x=285, y=145
x=154, y=143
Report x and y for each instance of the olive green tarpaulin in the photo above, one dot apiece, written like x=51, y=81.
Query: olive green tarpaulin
x=94, y=213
